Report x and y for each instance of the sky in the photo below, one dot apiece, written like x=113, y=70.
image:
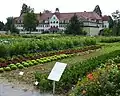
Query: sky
x=10, y=8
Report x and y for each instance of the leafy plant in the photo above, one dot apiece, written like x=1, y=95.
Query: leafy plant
x=7, y=69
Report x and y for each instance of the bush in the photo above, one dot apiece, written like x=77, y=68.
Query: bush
x=44, y=83
x=20, y=66
x=1, y=70
x=7, y=69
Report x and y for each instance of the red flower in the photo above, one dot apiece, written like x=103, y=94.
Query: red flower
x=90, y=76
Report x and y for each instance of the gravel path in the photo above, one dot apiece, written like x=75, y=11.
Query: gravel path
x=14, y=89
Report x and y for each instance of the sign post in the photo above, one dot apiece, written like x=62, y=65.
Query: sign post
x=53, y=87
x=56, y=73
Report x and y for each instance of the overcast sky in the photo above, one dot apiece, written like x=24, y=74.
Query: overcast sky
x=13, y=7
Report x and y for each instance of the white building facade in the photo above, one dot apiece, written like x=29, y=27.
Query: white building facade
x=57, y=22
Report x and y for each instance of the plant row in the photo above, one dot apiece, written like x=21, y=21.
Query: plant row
x=15, y=59
x=110, y=39
x=23, y=46
x=34, y=62
x=73, y=73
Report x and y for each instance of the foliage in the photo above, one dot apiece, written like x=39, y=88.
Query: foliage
x=2, y=27
x=110, y=39
x=7, y=69
x=42, y=79
x=25, y=9
x=116, y=28
x=30, y=21
x=75, y=26
x=78, y=70
x=13, y=67
x=9, y=26
x=105, y=82
x=1, y=70
x=20, y=66
x=107, y=32
x=111, y=22
x=20, y=46
x=97, y=10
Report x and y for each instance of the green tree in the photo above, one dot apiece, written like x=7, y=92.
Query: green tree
x=1, y=26
x=30, y=21
x=98, y=10
x=75, y=26
x=116, y=25
x=111, y=22
x=9, y=26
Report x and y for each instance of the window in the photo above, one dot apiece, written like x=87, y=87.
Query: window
x=50, y=22
x=57, y=26
x=105, y=26
x=53, y=17
x=56, y=21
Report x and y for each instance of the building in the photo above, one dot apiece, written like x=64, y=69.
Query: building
x=54, y=22
x=105, y=20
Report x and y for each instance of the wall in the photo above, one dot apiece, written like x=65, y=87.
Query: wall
x=91, y=31
x=106, y=24
x=54, y=19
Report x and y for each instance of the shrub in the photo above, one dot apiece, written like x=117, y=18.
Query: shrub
x=7, y=69
x=42, y=79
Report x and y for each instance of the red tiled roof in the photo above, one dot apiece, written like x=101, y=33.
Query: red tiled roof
x=65, y=16
x=105, y=18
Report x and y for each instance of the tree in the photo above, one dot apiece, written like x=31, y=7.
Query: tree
x=30, y=20
x=116, y=26
x=25, y=8
x=75, y=26
x=111, y=22
x=1, y=26
x=98, y=10
x=9, y=26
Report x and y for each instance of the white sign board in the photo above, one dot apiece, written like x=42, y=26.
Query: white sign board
x=57, y=71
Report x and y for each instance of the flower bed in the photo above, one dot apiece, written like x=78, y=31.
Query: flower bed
x=104, y=81
x=73, y=73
